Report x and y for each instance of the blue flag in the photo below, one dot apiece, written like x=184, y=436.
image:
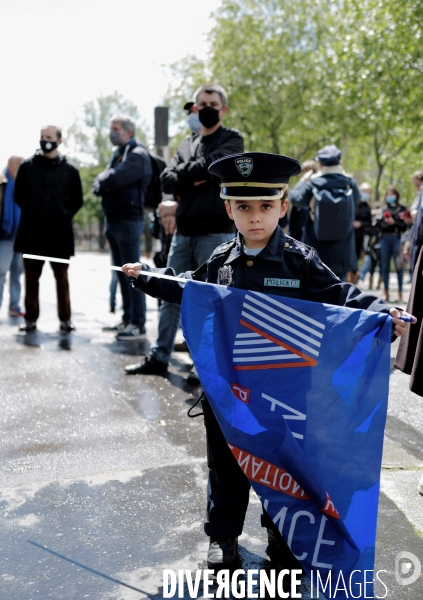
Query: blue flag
x=300, y=391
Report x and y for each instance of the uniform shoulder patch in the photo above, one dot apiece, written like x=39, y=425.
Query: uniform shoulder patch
x=223, y=248
x=296, y=246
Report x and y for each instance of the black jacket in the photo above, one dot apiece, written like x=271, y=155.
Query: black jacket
x=123, y=184
x=395, y=211
x=285, y=267
x=340, y=256
x=49, y=192
x=200, y=208
x=363, y=213
x=410, y=352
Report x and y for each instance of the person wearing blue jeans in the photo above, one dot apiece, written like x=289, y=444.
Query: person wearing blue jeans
x=11, y=261
x=392, y=226
x=124, y=238
x=197, y=217
x=122, y=187
x=389, y=248
x=187, y=253
x=9, y=220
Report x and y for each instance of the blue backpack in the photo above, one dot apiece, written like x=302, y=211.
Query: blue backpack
x=333, y=213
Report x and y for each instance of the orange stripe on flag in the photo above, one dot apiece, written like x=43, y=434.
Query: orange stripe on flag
x=265, y=473
x=310, y=362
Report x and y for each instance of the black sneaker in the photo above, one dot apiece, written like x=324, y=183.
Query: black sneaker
x=150, y=366
x=193, y=378
x=223, y=551
x=66, y=326
x=28, y=326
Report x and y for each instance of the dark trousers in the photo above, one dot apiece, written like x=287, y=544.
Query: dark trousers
x=228, y=488
x=33, y=269
x=124, y=238
x=228, y=491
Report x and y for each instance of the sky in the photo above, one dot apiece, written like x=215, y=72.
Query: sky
x=59, y=54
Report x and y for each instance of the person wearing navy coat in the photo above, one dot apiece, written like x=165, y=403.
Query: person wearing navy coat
x=339, y=255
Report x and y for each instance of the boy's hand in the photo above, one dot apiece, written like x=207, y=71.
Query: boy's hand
x=131, y=269
x=400, y=327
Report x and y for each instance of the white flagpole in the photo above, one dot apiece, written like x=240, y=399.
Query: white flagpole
x=67, y=262
x=152, y=274
x=49, y=258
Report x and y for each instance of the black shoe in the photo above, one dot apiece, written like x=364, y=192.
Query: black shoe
x=278, y=550
x=223, y=551
x=150, y=366
x=131, y=333
x=181, y=346
x=193, y=378
x=28, y=326
x=119, y=327
x=66, y=326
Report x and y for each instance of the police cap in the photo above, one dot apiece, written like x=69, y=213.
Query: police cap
x=254, y=175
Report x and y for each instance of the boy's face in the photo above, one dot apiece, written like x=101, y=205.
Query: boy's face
x=256, y=220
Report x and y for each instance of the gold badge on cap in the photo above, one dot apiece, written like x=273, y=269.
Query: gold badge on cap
x=224, y=275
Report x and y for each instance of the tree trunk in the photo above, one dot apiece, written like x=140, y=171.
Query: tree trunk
x=380, y=168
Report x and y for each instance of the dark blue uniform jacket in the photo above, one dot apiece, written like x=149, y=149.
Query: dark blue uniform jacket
x=339, y=255
x=284, y=258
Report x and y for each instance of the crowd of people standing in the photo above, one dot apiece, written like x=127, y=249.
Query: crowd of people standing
x=376, y=235
x=332, y=217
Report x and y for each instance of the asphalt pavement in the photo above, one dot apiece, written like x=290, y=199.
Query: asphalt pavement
x=103, y=476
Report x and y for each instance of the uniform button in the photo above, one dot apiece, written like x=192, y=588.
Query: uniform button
x=249, y=263
x=286, y=244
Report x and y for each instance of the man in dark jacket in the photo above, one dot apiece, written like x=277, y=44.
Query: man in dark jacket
x=198, y=214
x=48, y=190
x=338, y=254
x=122, y=187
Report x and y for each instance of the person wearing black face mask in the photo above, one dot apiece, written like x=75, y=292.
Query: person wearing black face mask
x=49, y=192
x=197, y=217
x=122, y=187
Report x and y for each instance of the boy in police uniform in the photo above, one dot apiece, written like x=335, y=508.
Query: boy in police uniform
x=261, y=258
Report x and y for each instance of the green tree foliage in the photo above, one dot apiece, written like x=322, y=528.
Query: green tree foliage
x=304, y=73
x=274, y=71
x=92, y=149
x=377, y=58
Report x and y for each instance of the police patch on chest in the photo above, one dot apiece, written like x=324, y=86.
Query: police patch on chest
x=224, y=275
x=285, y=283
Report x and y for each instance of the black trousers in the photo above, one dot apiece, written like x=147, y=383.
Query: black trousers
x=228, y=491
x=228, y=488
x=33, y=269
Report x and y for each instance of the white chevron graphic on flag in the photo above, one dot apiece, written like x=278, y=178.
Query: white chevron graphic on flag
x=279, y=336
